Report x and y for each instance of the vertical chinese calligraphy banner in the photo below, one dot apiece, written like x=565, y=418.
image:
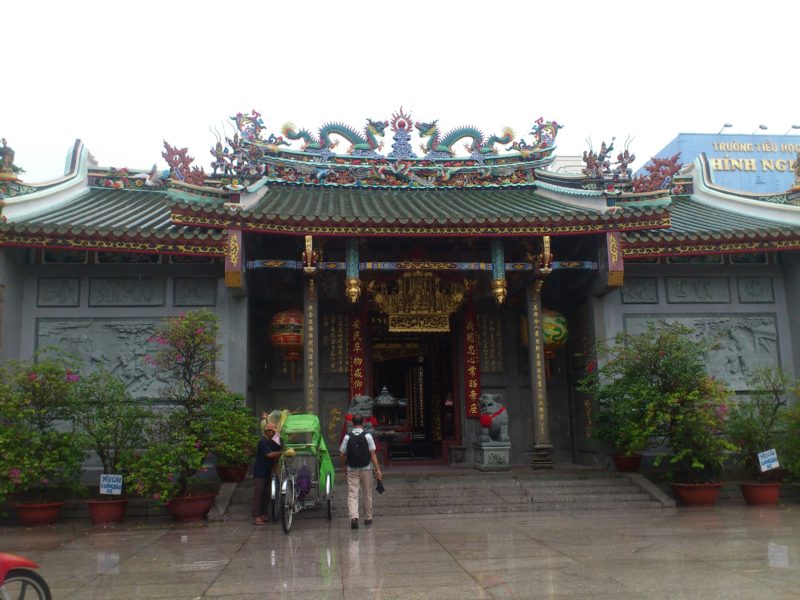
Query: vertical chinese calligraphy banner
x=472, y=368
x=357, y=355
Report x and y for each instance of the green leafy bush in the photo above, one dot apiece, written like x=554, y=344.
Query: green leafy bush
x=232, y=430
x=758, y=424
x=112, y=422
x=653, y=390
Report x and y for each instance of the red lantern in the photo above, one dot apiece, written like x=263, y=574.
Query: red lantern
x=286, y=333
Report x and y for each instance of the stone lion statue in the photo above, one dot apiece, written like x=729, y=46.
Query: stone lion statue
x=494, y=417
x=360, y=405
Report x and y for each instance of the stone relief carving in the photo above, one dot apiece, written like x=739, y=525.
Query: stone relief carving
x=640, y=290
x=698, y=289
x=755, y=289
x=58, y=291
x=133, y=291
x=119, y=345
x=743, y=342
x=195, y=291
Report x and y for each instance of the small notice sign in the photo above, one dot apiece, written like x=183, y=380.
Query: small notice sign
x=110, y=484
x=768, y=460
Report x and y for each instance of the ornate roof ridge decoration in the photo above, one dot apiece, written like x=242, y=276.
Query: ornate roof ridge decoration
x=419, y=301
x=250, y=154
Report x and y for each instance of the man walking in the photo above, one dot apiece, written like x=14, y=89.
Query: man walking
x=358, y=455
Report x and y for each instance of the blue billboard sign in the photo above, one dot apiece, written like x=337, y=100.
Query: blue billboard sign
x=761, y=164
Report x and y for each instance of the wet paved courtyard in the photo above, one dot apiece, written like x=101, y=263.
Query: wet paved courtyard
x=726, y=553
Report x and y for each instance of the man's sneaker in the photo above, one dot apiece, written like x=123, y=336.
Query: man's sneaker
x=367, y=521
x=354, y=523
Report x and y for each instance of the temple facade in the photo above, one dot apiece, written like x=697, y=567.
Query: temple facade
x=446, y=277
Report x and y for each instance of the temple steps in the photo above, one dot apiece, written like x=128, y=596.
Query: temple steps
x=468, y=491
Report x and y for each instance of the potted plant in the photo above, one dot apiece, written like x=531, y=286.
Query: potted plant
x=691, y=411
x=113, y=425
x=755, y=426
x=232, y=434
x=38, y=406
x=628, y=401
x=178, y=439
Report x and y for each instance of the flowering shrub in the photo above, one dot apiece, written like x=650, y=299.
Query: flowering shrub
x=179, y=436
x=40, y=454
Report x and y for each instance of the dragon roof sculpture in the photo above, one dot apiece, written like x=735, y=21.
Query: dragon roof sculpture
x=297, y=156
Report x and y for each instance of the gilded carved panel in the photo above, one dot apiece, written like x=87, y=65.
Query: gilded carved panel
x=744, y=342
x=118, y=345
x=692, y=290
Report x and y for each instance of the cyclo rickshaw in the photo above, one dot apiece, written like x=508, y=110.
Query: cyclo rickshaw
x=305, y=468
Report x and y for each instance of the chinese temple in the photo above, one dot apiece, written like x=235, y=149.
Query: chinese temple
x=417, y=268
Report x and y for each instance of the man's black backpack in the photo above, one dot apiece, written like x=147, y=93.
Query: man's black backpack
x=357, y=451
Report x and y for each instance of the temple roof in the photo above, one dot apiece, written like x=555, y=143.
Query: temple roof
x=698, y=228
x=715, y=220
x=108, y=219
x=326, y=210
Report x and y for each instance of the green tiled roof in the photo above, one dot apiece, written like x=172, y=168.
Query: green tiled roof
x=695, y=226
x=298, y=209
x=112, y=218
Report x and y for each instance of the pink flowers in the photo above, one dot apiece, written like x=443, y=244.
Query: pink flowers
x=32, y=376
x=15, y=475
x=199, y=331
x=156, y=496
x=71, y=377
x=179, y=358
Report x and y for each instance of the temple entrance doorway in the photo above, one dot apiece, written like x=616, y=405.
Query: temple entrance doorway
x=412, y=379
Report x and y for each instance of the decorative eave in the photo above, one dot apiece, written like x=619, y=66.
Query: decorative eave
x=318, y=210
x=111, y=220
x=700, y=226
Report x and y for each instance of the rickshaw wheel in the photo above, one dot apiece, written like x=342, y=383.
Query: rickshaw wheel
x=287, y=506
x=274, y=503
x=330, y=510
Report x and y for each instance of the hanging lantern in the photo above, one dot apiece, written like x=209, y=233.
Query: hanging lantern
x=286, y=333
x=554, y=328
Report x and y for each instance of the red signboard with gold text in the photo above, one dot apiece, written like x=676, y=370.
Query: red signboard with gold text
x=472, y=368
x=357, y=355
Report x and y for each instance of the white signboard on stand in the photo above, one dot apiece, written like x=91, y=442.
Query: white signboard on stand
x=768, y=460
x=111, y=484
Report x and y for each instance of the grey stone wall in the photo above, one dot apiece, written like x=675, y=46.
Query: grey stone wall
x=12, y=268
x=105, y=313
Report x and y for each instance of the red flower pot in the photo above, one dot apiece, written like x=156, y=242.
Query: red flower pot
x=44, y=513
x=761, y=494
x=627, y=464
x=102, y=512
x=232, y=473
x=696, y=494
x=191, y=508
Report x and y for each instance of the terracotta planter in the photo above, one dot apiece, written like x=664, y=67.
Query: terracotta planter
x=232, y=473
x=627, y=464
x=38, y=514
x=103, y=512
x=696, y=494
x=761, y=494
x=191, y=508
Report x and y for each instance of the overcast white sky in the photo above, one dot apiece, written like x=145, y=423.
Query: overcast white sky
x=123, y=76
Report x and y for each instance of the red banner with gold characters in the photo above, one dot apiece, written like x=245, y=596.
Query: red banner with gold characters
x=357, y=355
x=472, y=367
